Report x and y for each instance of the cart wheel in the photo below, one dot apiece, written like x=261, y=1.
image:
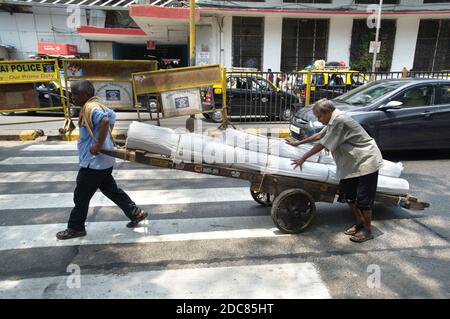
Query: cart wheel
x=264, y=199
x=293, y=210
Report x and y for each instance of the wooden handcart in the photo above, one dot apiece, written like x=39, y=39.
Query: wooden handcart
x=292, y=199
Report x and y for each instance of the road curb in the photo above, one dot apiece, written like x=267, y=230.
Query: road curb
x=30, y=135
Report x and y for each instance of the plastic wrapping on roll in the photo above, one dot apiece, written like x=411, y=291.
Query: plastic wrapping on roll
x=278, y=147
x=386, y=184
x=247, y=151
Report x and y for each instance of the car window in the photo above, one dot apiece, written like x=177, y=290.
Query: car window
x=317, y=79
x=368, y=94
x=445, y=94
x=336, y=80
x=357, y=79
x=239, y=83
x=232, y=82
x=261, y=85
x=416, y=96
x=299, y=79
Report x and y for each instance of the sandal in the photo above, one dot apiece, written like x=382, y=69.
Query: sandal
x=353, y=230
x=70, y=233
x=362, y=236
x=140, y=217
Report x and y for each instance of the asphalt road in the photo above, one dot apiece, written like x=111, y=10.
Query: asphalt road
x=206, y=237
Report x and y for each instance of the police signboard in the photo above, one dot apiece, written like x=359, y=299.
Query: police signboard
x=181, y=102
x=28, y=71
x=115, y=94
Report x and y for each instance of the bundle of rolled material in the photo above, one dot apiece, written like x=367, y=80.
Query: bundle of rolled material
x=242, y=150
x=151, y=138
x=278, y=147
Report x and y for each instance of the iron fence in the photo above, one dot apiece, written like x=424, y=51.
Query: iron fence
x=274, y=97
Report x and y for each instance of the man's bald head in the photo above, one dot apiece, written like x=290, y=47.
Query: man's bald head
x=82, y=91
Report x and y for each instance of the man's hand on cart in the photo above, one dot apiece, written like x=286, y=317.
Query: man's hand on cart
x=292, y=142
x=298, y=162
x=95, y=149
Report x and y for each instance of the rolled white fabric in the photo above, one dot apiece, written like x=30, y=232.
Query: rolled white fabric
x=386, y=184
x=152, y=138
x=272, y=146
x=391, y=169
x=199, y=148
x=278, y=147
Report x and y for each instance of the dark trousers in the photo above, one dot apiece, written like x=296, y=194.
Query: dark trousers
x=88, y=181
x=359, y=190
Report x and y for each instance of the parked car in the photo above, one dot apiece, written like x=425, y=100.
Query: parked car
x=398, y=114
x=250, y=95
x=328, y=83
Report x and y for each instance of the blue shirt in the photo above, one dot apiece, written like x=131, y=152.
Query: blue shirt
x=85, y=141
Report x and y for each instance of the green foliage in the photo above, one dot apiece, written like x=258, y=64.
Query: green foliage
x=364, y=59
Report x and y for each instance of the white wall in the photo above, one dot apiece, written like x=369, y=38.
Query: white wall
x=405, y=43
x=273, y=27
x=228, y=41
x=339, y=39
x=24, y=30
x=206, y=43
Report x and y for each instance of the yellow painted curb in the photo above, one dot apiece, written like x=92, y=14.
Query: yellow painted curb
x=30, y=135
x=75, y=135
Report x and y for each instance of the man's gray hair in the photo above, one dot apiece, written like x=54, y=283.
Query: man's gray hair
x=324, y=105
x=83, y=86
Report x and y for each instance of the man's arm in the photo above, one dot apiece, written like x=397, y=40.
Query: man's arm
x=315, y=149
x=313, y=138
x=102, y=134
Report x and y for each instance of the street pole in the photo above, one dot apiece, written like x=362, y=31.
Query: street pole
x=190, y=122
x=377, y=35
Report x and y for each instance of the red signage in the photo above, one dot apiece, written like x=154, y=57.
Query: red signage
x=150, y=45
x=57, y=48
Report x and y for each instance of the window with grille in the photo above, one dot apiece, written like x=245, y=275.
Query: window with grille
x=303, y=42
x=433, y=46
x=248, y=40
x=360, y=58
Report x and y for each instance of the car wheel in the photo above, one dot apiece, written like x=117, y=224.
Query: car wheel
x=74, y=112
x=7, y=113
x=216, y=117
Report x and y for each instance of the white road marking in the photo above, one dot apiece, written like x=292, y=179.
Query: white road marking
x=119, y=174
x=41, y=160
x=273, y=281
x=147, y=197
x=51, y=147
x=149, y=231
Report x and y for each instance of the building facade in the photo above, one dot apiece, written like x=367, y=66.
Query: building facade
x=281, y=35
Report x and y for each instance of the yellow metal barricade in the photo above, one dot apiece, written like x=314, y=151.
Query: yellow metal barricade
x=181, y=85
x=18, y=85
x=111, y=78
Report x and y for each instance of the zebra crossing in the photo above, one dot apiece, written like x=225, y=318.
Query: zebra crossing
x=181, y=251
